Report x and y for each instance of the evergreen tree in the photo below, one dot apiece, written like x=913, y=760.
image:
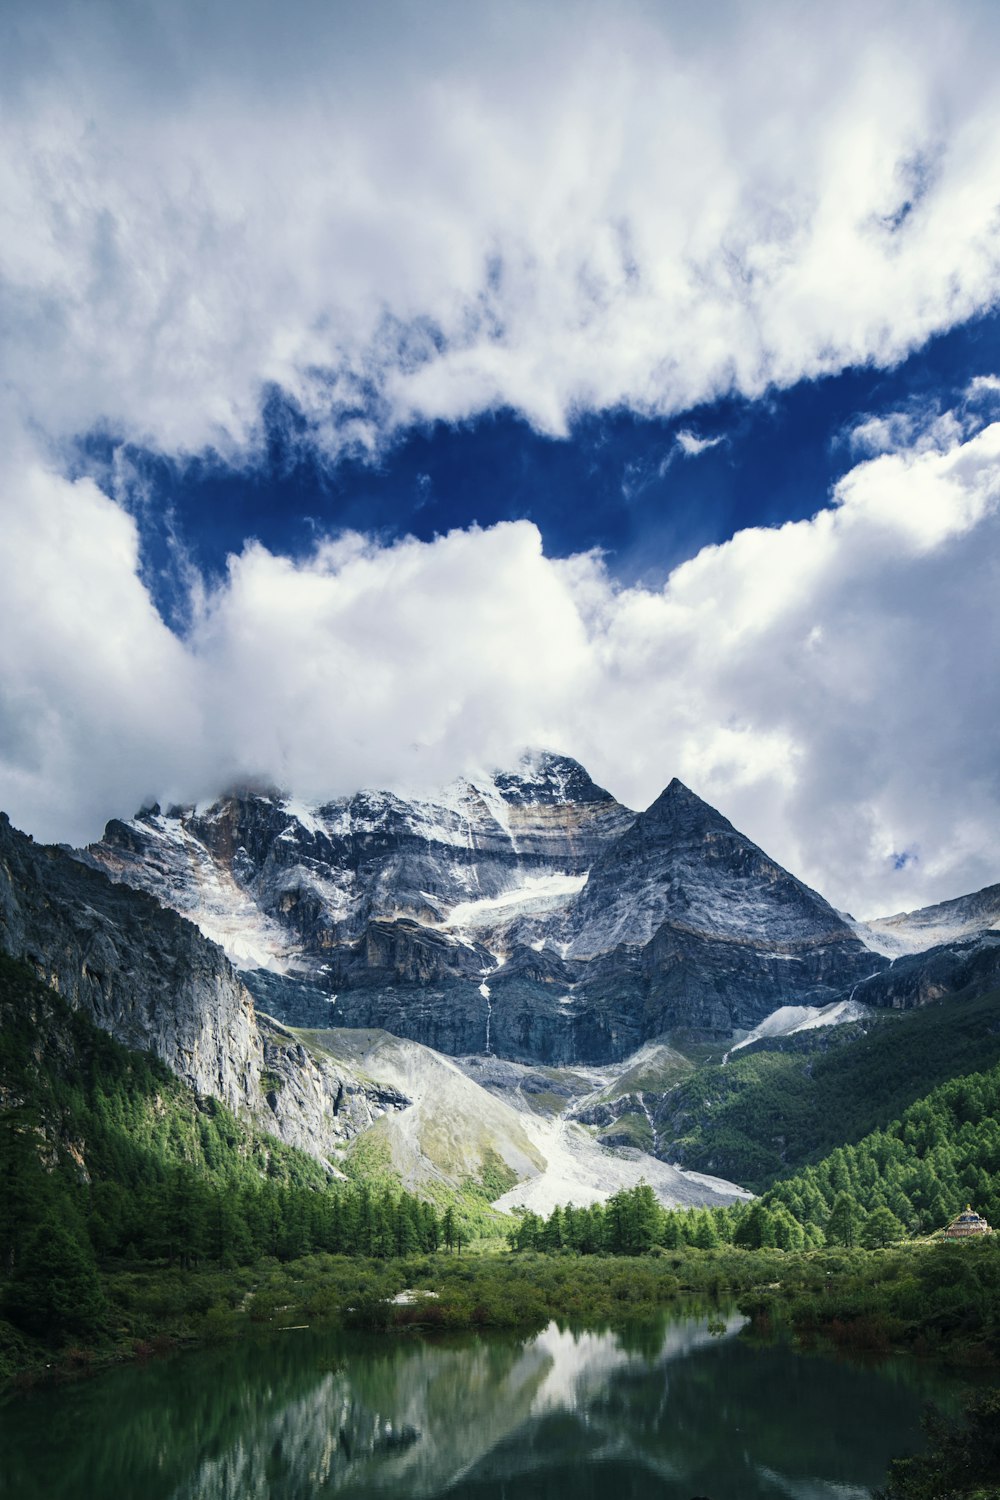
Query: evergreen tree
x=706, y=1236
x=449, y=1228
x=552, y=1237
x=845, y=1221
x=26, y=1189
x=56, y=1288
x=881, y=1228
x=755, y=1230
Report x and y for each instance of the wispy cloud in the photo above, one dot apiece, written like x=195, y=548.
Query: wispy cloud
x=690, y=444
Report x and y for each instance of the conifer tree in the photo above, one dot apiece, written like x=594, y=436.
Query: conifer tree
x=56, y=1288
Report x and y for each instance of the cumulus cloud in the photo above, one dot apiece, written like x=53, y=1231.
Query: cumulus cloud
x=413, y=213
x=97, y=698
x=828, y=684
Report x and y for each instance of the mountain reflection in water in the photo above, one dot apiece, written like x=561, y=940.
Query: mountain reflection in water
x=670, y=1410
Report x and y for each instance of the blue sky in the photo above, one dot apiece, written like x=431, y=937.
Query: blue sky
x=386, y=390
x=617, y=481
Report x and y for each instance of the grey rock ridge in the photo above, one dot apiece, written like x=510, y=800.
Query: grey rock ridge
x=525, y=914
x=156, y=984
x=968, y=966
x=909, y=932
x=720, y=934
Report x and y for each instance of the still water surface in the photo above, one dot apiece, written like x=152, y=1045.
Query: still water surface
x=668, y=1411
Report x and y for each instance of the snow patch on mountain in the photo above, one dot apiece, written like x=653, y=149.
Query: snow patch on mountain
x=789, y=1019
x=181, y=873
x=932, y=926
x=535, y=894
x=304, y=813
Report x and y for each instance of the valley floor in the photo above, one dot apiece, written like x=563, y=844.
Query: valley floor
x=935, y=1300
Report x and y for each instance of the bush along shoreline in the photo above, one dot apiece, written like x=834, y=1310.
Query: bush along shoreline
x=938, y=1301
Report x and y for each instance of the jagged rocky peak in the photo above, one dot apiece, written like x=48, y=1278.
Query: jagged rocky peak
x=525, y=912
x=682, y=862
x=274, y=879
x=544, y=777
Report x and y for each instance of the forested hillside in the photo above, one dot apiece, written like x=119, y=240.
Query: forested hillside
x=789, y=1102
x=106, y=1157
x=909, y=1178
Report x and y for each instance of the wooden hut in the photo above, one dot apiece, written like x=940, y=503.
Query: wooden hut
x=966, y=1224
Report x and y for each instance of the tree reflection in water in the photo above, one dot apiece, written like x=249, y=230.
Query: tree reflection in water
x=673, y=1410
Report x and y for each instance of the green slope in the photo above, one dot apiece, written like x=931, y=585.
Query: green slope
x=785, y=1103
x=943, y=1152
x=128, y=1162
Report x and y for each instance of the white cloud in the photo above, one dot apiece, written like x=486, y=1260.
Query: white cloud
x=829, y=684
x=691, y=444
x=97, y=697
x=412, y=213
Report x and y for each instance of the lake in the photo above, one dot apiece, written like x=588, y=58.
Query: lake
x=678, y=1409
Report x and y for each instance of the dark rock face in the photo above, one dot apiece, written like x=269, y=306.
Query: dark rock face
x=709, y=930
x=142, y=973
x=156, y=984
x=970, y=966
x=526, y=914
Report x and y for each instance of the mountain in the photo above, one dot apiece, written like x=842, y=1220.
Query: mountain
x=570, y=958
x=527, y=914
x=712, y=931
x=953, y=921
x=156, y=984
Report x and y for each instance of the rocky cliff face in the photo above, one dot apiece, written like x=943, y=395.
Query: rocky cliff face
x=711, y=932
x=963, y=918
x=968, y=966
x=526, y=914
x=156, y=984
x=284, y=886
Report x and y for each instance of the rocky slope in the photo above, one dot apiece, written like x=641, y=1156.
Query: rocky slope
x=459, y=1133
x=933, y=926
x=705, y=926
x=152, y=980
x=527, y=914
x=968, y=965
x=284, y=886
x=157, y=984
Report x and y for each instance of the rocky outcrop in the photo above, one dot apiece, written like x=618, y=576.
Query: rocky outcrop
x=968, y=967
x=153, y=981
x=526, y=914
x=932, y=926
x=312, y=1102
x=711, y=932
x=281, y=883
x=141, y=972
